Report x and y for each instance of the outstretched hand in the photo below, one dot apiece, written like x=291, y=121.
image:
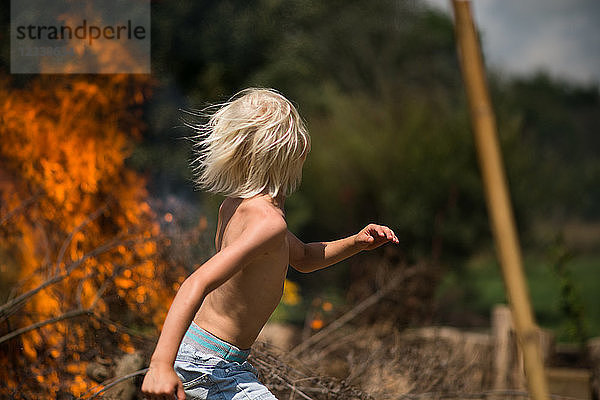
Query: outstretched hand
x=373, y=236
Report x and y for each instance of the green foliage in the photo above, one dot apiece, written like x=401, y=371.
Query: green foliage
x=563, y=289
x=555, y=127
x=571, y=303
x=379, y=86
x=391, y=162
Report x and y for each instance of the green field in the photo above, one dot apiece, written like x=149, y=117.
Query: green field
x=479, y=286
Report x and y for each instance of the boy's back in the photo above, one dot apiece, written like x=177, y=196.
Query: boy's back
x=237, y=310
x=252, y=151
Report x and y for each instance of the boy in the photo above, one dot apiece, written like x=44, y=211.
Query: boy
x=252, y=151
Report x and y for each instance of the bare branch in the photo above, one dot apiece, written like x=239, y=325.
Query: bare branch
x=122, y=328
x=114, y=381
x=12, y=306
x=359, y=308
x=69, y=314
x=37, y=325
x=99, y=293
x=294, y=389
x=480, y=395
x=67, y=241
x=21, y=207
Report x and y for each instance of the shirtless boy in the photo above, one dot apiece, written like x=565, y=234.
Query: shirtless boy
x=252, y=151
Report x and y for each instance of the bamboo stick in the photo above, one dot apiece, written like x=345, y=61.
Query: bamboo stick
x=499, y=207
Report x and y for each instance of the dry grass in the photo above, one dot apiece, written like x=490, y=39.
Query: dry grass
x=380, y=362
x=384, y=363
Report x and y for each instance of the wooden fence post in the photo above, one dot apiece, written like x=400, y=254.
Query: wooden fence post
x=499, y=207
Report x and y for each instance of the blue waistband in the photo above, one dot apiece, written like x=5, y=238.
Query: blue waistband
x=211, y=344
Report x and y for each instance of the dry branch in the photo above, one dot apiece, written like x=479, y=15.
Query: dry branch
x=355, y=311
x=113, y=382
x=21, y=207
x=286, y=376
x=122, y=328
x=11, y=306
x=67, y=315
x=490, y=394
x=67, y=241
x=37, y=325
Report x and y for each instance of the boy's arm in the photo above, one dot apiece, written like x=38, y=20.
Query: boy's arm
x=262, y=237
x=308, y=257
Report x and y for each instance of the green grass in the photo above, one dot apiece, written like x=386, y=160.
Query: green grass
x=479, y=286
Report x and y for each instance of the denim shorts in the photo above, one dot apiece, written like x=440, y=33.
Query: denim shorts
x=211, y=368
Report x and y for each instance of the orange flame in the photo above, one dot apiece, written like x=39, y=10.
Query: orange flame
x=63, y=143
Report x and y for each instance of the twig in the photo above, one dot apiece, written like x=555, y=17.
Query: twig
x=337, y=342
x=67, y=241
x=69, y=314
x=293, y=388
x=122, y=328
x=300, y=392
x=24, y=204
x=11, y=306
x=359, y=308
x=479, y=395
x=115, y=381
x=37, y=325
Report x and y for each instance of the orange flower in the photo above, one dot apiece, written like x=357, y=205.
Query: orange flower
x=316, y=324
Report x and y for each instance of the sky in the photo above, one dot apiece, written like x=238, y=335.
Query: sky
x=560, y=37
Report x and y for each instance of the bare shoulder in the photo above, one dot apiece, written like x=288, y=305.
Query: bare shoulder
x=263, y=222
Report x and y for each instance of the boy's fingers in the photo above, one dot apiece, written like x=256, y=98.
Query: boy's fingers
x=376, y=232
x=180, y=391
x=385, y=231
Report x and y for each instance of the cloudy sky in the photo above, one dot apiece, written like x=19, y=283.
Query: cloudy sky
x=561, y=37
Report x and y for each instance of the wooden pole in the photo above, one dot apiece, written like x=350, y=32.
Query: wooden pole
x=499, y=207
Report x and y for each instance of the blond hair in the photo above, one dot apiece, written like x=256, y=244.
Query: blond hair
x=256, y=142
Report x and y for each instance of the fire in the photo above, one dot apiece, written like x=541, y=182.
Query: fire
x=75, y=223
